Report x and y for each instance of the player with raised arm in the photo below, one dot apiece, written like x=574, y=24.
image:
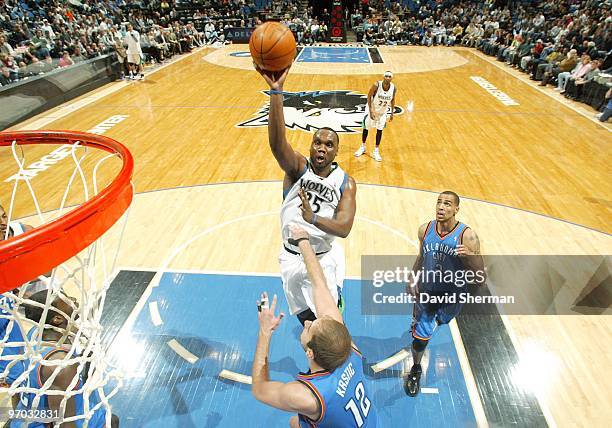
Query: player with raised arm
x=447, y=246
x=333, y=393
x=317, y=195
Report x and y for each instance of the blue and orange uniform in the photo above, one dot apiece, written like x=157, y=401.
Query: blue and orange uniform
x=26, y=400
x=9, y=333
x=439, y=256
x=342, y=395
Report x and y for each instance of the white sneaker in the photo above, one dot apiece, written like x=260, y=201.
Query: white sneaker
x=360, y=151
x=376, y=155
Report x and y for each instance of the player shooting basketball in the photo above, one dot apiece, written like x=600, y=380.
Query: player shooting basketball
x=318, y=195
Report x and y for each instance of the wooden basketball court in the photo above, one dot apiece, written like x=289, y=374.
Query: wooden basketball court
x=534, y=174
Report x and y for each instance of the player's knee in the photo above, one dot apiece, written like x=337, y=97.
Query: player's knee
x=419, y=345
x=306, y=315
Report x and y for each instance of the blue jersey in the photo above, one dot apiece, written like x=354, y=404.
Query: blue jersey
x=440, y=260
x=9, y=332
x=342, y=395
x=26, y=400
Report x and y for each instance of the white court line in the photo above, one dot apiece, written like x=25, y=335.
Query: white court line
x=182, y=351
x=470, y=382
x=391, y=361
x=236, y=377
x=429, y=390
x=541, y=90
x=154, y=313
x=71, y=107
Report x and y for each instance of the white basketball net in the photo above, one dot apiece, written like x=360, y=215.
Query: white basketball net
x=81, y=283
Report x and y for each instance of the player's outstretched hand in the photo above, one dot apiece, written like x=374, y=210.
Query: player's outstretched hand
x=274, y=79
x=268, y=321
x=307, y=213
x=297, y=232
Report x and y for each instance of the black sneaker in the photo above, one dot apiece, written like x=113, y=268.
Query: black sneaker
x=412, y=382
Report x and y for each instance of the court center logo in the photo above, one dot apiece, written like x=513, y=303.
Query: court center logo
x=341, y=110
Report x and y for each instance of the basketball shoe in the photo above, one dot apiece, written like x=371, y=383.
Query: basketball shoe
x=360, y=151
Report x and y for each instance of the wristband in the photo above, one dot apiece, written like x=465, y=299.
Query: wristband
x=296, y=241
x=314, y=219
x=275, y=92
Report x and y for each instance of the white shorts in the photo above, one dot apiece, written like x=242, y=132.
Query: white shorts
x=297, y=285
x=379, y=123
x=134, y=58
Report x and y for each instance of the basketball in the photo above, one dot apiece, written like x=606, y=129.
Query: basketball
x=272, y=46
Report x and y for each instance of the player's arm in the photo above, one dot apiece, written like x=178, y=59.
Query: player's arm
x=292, y=396
x=342, y=221
x=290, y=161
x=418, y=263
x=469, y=251
x=323, y=300
x=61, y=383
x=371, y=94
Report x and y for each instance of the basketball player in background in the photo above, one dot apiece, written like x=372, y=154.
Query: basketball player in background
x=56, y=324
x=134, y=53
x=447, y=245
x=334, y=392
x=380, y=98
x=317, y=195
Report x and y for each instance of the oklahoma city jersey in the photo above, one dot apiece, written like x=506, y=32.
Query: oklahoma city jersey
x=324, y=194
x=382, y=99
x=342, y=395
x=26, y=401
x=440, y=254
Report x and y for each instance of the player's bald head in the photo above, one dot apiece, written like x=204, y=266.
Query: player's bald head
x=326, y=134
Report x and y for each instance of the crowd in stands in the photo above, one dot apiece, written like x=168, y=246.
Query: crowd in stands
x=561, y=42
x=566, y=43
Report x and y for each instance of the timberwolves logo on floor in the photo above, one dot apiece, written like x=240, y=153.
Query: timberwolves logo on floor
x=342, y=111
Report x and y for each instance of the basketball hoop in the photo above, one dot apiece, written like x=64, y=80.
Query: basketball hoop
x=33, y=253
x=72, y=243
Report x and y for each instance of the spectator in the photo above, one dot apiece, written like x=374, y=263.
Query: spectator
x=65, y=60
x=603, y=117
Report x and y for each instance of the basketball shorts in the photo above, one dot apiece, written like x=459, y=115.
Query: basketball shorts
x=134, y=58
x=379, y=123
x=427, y=316
x=297, y=285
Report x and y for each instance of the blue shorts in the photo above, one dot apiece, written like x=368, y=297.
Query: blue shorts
x=427, y=316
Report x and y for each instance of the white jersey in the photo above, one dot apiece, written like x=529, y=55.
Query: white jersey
x=382, y=99
x=35, y=285
x=132, y=40
x=324, y=194
x=16, y=228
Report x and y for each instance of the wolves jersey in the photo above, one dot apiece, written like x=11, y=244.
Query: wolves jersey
x=342, y=395
x=440, y=257
x=324, y=194
x=381, y=101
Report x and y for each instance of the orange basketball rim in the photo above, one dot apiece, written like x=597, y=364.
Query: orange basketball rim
x=26, y=256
